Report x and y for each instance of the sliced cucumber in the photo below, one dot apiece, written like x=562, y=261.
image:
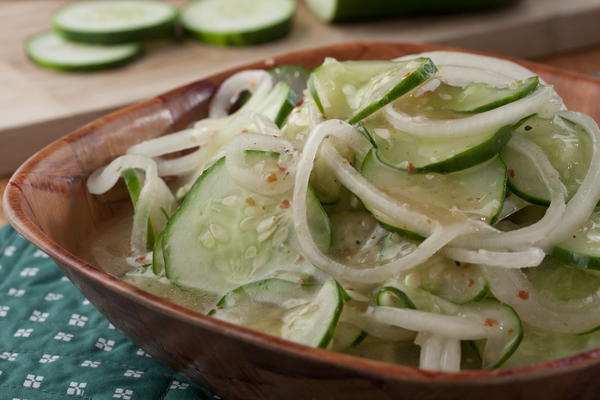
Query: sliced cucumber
x=49, y=50
x=134, y=181
x=235, y=23
x=413, y=154
x=295, y=76
x=495, y=350
x=477, y=96
x=224, y=236
x=350, y=233
x=478, y=191
x=350, y=10
x=306, y=314
x=562, y=282
x=567, y=147
x=347, y=335
x=390, y=296
x=582, y=249
x=115, y=22
x=276, y=104
x=325, y=183
x=158, y=258
x=353, y=90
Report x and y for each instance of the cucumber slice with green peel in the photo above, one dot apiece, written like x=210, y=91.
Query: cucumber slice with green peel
x=568, y=148
x=347, y=335
x=224, y=236
x=496, y=350
x=419, y=155
x=478, y=97
x=582, y=249
x=478, y=191
x=562, y=282
x=541, y=346
x=353, y=90
x=306, y=314
x=115, y=22
x=158, y=258
x=134, y=181
x=276, y=104
x=295, y=76
x=49, y=50
x=353, y=10
x=325, y=183
x=235, y=23
x=390, y=296
x=493, y=351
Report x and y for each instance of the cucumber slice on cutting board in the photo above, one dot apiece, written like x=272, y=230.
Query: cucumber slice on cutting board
x=236, y=23
x=568, y=148
x=353, y=90
x=306, y=314
x=350, y=10
x=50, y=50
x=476, y=192
x=115, y=22
x=224, y=236
x=413, y=154
x=582, y=249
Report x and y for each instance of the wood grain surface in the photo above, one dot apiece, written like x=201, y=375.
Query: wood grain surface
x=37, y=105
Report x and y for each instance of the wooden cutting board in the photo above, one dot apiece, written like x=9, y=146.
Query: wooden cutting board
x=37, y=105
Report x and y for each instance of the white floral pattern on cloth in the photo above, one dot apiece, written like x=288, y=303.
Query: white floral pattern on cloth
x=54, y=345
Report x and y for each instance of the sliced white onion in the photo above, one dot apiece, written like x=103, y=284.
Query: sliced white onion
x=451, y=355
x=507, y=68
x=375, y=328
x=534, y=234
x=513, y=288
x=461, y=328
x=103, y=179
x=432, y=346
x=487, y=121
x=155, y=197
x=248, y=177
x=254, y=81
x=531, y=257
x=359, y=275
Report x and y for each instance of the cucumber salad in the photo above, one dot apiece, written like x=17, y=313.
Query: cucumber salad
x=436, y=210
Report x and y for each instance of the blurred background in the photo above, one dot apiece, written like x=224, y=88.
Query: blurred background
x=38, y=104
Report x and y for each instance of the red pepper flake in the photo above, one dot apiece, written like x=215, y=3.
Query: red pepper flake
x=285, y=204
x=299, y=103
x=272, y=178
x=490, y=322
x=250, y=201
x=510, y=331
x=296, y=111
x=411, y=167
x=281, y=169
x=511, y=173
x=406, y=75
x=523, y=294
x=219, y=307
x=140, y=259
x=470, y=282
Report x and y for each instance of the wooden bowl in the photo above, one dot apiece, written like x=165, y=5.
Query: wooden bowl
x=47, y=202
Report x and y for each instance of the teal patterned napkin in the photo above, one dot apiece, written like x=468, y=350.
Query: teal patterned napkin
x=55, y=345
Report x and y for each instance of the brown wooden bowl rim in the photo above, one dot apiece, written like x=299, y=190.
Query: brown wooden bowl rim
x=32, y=232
